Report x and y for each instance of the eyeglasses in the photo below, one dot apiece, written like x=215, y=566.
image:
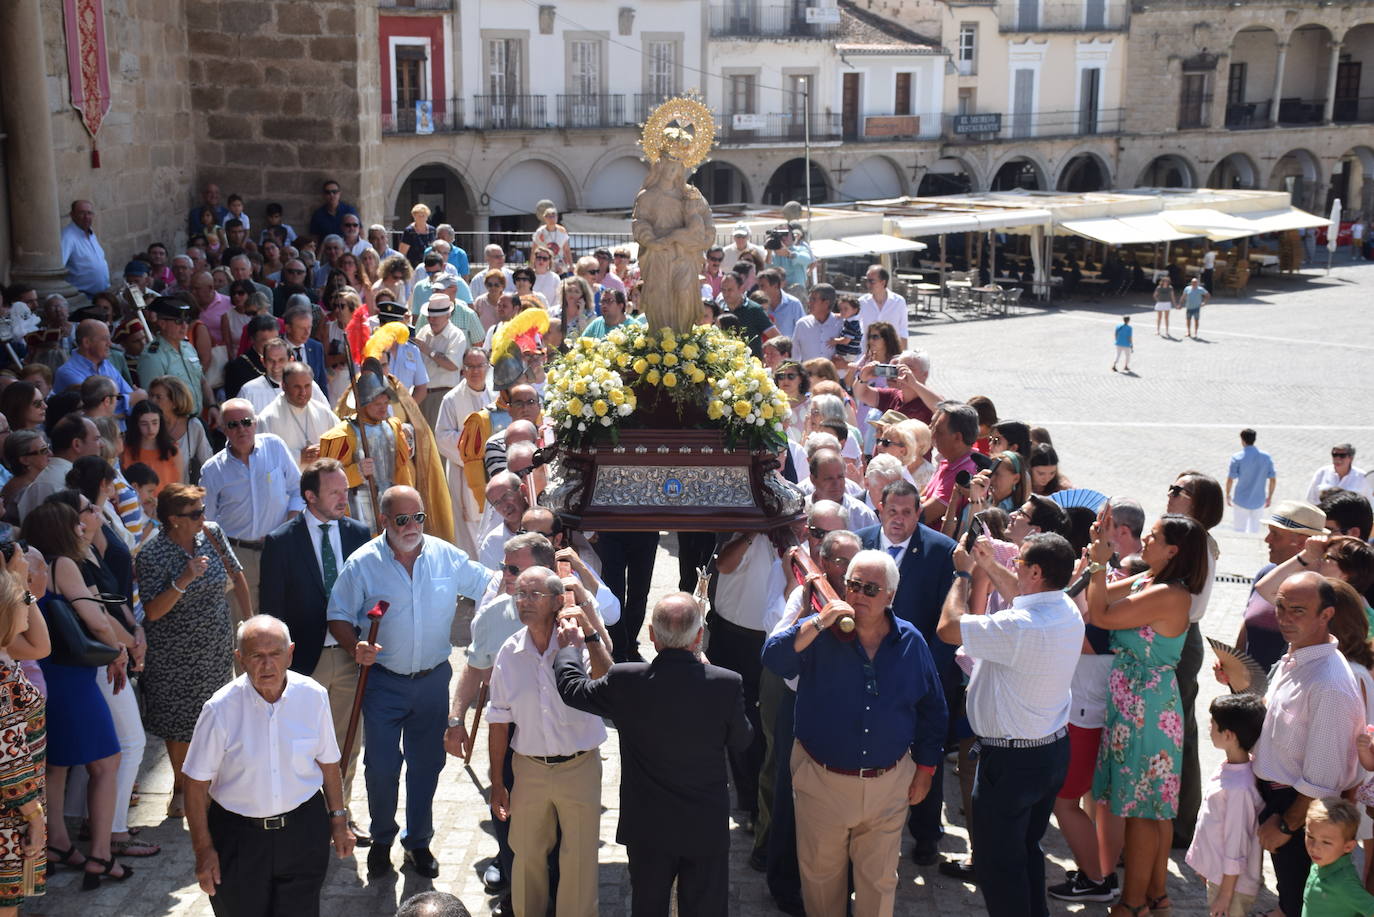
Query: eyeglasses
x=495, y=284
x=1177, y=489
x=1020, y=562
x=788, y=377
x=351, y=225
x=403, y=519
x=46, y=450
x=886, y=443
x=512, y=569
x=1340, y=455
x=88, y=508
x=542, y=258
x=192, y=514
x=995, y=438
x=331, y=190
x=715, y=260
x=530, y=596
x=858, y=585
x=815, y=531
x=235, y=424
x=293, y=270
x=523, y=402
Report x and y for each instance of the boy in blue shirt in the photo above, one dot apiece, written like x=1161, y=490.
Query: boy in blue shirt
x=1123, y=344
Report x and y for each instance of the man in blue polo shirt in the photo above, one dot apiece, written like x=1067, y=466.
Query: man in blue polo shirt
x=1250, y=470
x=87, y=269
x=870, y=728
x=92, y=358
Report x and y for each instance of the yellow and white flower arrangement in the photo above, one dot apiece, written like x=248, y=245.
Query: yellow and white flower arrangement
x=710, y=377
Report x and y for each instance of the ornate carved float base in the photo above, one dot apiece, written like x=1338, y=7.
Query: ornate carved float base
x=671, y=480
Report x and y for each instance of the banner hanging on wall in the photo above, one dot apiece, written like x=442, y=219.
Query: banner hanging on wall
x=88, y=65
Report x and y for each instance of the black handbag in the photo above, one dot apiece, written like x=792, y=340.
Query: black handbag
x=72, y=643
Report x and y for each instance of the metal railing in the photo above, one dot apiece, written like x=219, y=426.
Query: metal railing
x=780, y=126
x=646, y=102
x=1301, y=111
x=442, y=5
x=474, y=242
x=1045, y=124
x=745, y=19
x=1062, y=16
x=1353, y=111
x=445, y=117
x=509, y=112
x=583, y=111
x=1247, y=115
x=1292, y=111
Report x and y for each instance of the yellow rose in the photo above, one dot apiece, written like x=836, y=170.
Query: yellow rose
x=575, y=406
x=639, y=343
x=580, y=386
x=654, y=358
x=742, y=408
x=766, y=412
x=617, y=396
x=698, y=375
x=669, y=343
x=622, y=360
x=690, y=351
x=587, y=343
x=641, y=366
x=670, y=359
x=670, y=379
x=599, y=408
x=715, y=410
x=651, y=377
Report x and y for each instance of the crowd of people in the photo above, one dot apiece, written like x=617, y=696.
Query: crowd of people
x=230, y=483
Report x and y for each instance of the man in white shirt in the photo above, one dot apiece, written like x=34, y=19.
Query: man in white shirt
x=556, y=764
x=813, y=333
x=507, y=500
x=1018, y=706
x=740, y=237
x=296, y=415
x=1306, y=749
x=880, y=304
x=264, y=798
x=495, y=257
x=263, y=390
x=1340, y=473
x=72, y=437
x=462, y=400
x=442, y=345
x=829, y=483
x=252, y=486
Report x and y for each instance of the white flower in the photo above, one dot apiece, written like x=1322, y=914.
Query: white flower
x=749, y=418
x=605, y=421
x=586, y=410
x=624, y=410
x=581, y=426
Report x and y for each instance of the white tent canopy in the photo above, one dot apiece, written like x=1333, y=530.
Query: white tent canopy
x=1131, y=230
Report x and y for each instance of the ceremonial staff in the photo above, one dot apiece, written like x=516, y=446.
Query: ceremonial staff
x=362, y=438
x=375, y=615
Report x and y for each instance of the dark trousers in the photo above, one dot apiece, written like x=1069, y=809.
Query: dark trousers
x=694, y=550
x=702, y=882
x=739, y=649
x=1291, y=862
x=1190, y=780
x=276, y=873
x=627, y=568
x=784, y=875
x=1013, y=796
x=404, y=720
x=924, y=820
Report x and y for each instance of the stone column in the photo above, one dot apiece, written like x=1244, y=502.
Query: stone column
x=1329, y=107
x=32, y=177
x=1278, y=83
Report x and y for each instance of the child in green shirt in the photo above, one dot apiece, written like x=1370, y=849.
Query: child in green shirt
x=1333, y=888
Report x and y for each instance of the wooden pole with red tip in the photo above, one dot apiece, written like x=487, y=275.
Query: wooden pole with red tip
x=822, y=593
x=375, y=615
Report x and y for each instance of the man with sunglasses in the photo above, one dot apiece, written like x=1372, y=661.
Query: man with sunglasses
x=170, y=354
x=293, y=283
x=495, y=256
x=1340, y=473
x=252, y=486
x=870, y=729
x=328, y=218
x=1028, y=653
x=406, y=702
x=437, y=281
x=880, y=304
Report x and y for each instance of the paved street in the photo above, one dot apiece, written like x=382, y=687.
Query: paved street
x=1290, y=359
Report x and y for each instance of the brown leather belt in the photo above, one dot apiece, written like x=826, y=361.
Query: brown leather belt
x=863, y=773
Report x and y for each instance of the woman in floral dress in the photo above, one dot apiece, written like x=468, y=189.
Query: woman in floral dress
x=1139, y=761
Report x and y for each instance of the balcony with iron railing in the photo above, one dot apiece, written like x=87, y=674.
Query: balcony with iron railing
x=1062, y=16
x=509, y=112
x=445, y=116
x=427, y=6
x=591, y=111
x=1293, y=112
x=743, y=19
x=779, y=127
x=1037, y=125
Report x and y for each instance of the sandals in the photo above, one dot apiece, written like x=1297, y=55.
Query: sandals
x=1140, y=911
x=64, y=858
x=1161, y=906
x=90, y=881
x=134, y=848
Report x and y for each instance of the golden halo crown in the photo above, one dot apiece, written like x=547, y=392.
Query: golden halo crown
x=681, y=128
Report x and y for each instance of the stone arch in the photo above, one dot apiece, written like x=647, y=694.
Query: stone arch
x=523, y=179
x=873, y=178
x=1084, y=170
x=1235, y=170
x=441, y=186
x=396, y=194
x=1299, y=172
x=788, y=183
x=951, y=175
x=1019, y=170
x=1168, y=171
x=613, y=183
x=721, y=182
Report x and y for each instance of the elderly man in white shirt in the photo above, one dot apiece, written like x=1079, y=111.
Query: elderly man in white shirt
x=1306, y=749
x=556, y=764
x=1340, y=473
x=813, y=333
x=880, y=304
x=465, y=398
x=442, y=345
x=263, y=390
x=1018, y=705
x=264, y=796
x=296, y=416
x=252, y=486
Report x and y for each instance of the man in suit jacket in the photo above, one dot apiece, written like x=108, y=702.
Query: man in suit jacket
x=925, y=564
x=675, y=717
x=303, y=348
x=297, y=576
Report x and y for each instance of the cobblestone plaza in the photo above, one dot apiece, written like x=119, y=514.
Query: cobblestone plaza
x=1288, y=360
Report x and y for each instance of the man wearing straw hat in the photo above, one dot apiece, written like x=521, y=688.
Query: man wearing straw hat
x=441, y=344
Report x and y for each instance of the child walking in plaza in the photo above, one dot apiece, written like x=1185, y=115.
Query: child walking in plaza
x=1333, y=887
x=1124, y=337
x=1226, y=849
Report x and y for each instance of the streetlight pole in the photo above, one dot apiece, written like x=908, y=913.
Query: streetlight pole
x=806, y=129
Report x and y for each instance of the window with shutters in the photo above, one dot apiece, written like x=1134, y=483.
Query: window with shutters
x=1094, y=14
x=1192, y=104
x=901, y=95
x=1023, y=101
x=504, y=67
x=661, y=78
x=968, y=49
x=1028, y=15
x=1089, y=96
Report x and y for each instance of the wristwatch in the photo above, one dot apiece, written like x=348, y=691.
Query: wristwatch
x=338, y=813
x=593, y=637
x=454, y=722
x=1285, y=829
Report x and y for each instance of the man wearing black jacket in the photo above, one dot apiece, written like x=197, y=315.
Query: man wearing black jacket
x=675, y=716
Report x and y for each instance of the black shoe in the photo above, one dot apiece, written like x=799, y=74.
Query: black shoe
x=360, y=837
x=1181, y=842
x=925, y=854
x=959, y=869
x=504, y=908
x=494, y=879
x=758, y=861
x=791, y=906
x=1081, y=888
x=379, y=860
x=423, y=862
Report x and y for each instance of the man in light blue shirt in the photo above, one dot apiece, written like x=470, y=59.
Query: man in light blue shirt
x=87, y=269
x=783, y=307
x=1249, y=472
x=92, y=359
x=251, y=486
x=407, y=692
